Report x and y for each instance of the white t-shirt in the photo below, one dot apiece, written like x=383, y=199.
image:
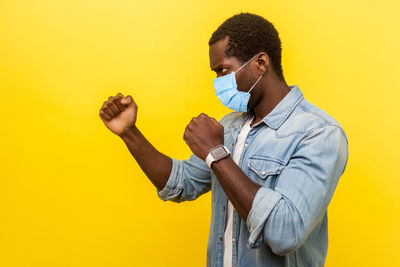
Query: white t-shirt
x=229, y=211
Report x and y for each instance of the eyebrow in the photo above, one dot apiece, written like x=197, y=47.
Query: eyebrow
x=217, y=67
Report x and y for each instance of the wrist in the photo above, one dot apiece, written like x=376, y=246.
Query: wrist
x=220, y=162
x=130, y=133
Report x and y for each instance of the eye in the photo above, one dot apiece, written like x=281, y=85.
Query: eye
x=221, y=71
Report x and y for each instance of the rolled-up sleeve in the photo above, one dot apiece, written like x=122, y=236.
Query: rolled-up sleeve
x=188, y=179
x=284, y=216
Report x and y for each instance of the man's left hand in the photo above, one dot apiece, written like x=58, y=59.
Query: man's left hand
x=202, y=134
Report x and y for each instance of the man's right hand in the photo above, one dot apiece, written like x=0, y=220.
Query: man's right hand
x=119, y=113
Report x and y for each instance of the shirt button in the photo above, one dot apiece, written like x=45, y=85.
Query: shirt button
x=223, y=207
x=263, y=173
x=220, y=238
x=234, y=239
x=246, y=145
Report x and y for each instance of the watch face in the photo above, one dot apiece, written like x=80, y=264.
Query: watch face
x=218, y=152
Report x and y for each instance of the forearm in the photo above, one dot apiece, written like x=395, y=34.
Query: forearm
x=237, y=186
x=154, y=164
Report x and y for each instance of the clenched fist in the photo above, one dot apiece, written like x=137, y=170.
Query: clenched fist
x=119, y=113
x=202, y=134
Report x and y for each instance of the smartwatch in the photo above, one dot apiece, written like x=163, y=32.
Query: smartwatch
x=217, y=153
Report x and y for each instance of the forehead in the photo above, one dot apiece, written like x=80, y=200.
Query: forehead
x=217, y=54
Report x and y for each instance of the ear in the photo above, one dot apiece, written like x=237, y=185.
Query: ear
x=262, y=63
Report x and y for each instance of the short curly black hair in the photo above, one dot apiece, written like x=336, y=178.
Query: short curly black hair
x=250, y=34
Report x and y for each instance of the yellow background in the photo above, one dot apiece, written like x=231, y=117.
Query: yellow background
x=72, y=195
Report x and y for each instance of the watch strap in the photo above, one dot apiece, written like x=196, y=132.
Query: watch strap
x=209, y=160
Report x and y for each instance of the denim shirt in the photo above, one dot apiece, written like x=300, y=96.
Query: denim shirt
x=297, y=154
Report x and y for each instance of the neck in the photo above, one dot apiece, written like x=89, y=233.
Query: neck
x=273, y=91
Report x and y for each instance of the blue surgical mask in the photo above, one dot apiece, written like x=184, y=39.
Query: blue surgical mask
x=226, y=90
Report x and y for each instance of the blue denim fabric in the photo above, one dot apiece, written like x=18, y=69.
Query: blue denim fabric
x=297, y=153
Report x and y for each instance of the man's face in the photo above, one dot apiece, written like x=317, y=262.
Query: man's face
x=224, y=65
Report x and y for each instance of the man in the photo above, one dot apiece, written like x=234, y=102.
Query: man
x=272, y=164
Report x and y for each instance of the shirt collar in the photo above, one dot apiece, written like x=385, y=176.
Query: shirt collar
x=279, y=113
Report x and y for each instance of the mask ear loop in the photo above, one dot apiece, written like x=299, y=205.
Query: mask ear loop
x=255, y=83
x=258, y=77
x=245, y=63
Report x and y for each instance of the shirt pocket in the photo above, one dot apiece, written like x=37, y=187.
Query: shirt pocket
x=262, y=166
